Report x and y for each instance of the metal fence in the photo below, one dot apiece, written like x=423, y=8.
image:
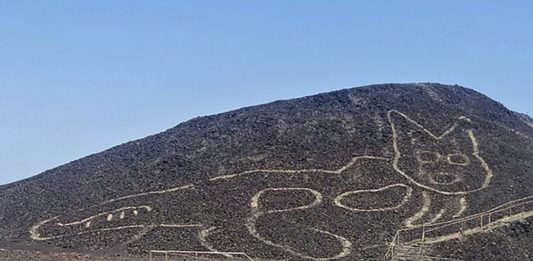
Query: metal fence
x=416, y=237
x=425, y=235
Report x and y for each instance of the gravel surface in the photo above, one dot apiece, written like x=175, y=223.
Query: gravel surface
x=333, y=175
x=24, y=255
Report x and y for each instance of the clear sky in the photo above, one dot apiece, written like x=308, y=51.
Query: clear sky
x=77, y=77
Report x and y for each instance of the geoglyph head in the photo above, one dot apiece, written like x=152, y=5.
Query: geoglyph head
x=448, y=162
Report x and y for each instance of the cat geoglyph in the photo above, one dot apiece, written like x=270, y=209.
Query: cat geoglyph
x=441, y=169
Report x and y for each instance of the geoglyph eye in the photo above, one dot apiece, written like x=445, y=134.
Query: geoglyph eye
x=458, y=159
x=428, y=156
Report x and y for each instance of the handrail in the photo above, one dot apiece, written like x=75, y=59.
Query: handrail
x=509, y=206
x=478, y=217
x=485, y=213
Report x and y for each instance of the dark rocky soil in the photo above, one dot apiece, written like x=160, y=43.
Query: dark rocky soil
x=19, y=253
x=510, y=242
x=23, y=255
x=333, y=175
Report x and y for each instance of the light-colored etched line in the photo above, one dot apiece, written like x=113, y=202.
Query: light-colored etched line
x=36, y=235
x=139, y=235
x=478, y=215
x=468, y=232
x=462, y=207
x=523, y=135
x=430, y=91
x=418, y=215
x=464, y=157
x=345, y=243
x=433, y=181
x=157, y=192
x=409, y=190
x=285, y=171
x=223, y=177
x=488, y=170
x=435, y=156
x=202, y=237
x=179, y=225
x=230, y=176
x=337, y=171
x=520, y=134
x=257, y=213
x=524, y=203
x=516, y=132
x=112, y=229
x=195, y=254
x=444, y=134
x=465, y=118
x=530, y=124
x=255, y=199
x=436, y=217
x=397, y=154
x=34, y=230
x=107, y=213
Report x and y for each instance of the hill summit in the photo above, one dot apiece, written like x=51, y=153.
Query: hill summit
x=391, y=171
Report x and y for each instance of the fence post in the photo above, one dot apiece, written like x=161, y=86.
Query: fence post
x=150, y=254
x=166, y=256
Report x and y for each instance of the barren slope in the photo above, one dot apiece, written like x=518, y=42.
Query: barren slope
x=330, y=176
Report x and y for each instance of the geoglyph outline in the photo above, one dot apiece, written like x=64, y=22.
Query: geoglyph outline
x=347, y=245
x=405, y=199
x=475, y=148
x=256, y=213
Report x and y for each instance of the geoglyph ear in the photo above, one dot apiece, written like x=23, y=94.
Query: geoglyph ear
x=404, y=127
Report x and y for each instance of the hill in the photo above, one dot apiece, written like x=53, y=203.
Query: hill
x=378, y=171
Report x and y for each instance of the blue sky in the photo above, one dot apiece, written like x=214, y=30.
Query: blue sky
x=77, y=77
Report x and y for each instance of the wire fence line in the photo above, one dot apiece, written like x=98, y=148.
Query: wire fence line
x=407, y=243
x=422, y=236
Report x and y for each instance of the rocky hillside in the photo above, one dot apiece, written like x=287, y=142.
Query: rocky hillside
x=528, y=120
x=334, y=176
